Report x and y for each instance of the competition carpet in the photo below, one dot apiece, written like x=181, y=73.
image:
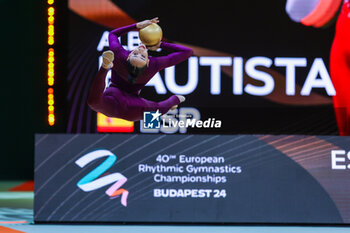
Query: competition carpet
x=16, y=216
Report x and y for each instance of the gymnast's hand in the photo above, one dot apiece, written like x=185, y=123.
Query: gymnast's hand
x=154, y=47
x=108, y=57
x=147, y=22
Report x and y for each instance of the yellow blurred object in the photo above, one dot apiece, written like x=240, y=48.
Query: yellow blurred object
x=151, y=35
x=51, y=60
x=51, y=11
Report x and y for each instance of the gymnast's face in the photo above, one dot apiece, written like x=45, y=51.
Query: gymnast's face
x=139, y=56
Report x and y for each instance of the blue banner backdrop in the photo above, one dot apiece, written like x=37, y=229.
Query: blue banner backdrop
x=192, y=178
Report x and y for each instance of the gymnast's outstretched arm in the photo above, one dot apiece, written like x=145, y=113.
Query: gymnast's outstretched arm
x=113, y=36
x=179, y=54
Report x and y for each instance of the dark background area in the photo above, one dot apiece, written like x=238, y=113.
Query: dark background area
x=24, y=65
x=23, y=84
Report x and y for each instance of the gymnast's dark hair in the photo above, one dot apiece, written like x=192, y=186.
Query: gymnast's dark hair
x=134, y=71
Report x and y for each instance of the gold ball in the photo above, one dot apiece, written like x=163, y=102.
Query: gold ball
x=151, y=35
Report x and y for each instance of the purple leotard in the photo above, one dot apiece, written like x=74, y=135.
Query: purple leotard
x=121, y=99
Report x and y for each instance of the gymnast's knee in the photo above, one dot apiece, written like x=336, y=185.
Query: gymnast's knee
x=112, y=107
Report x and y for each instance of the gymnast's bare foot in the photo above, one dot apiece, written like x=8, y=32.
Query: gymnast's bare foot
x=181, y=98
x=108, y=57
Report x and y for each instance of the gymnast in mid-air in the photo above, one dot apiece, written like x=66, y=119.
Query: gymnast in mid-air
x=131, y=70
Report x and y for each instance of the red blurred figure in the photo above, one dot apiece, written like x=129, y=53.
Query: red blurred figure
x=318, y=13
x=340, y=70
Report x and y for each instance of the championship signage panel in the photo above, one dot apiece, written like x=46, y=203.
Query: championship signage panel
x=192, y=178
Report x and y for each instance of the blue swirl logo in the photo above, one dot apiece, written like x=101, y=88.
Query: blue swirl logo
x=91, y=181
